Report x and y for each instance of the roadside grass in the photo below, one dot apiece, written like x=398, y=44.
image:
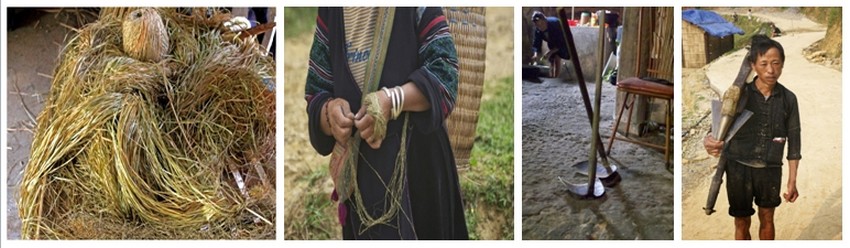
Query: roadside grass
x=490, y=179
x=750, y=28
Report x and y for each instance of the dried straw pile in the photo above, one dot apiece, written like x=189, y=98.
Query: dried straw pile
x=133, y=149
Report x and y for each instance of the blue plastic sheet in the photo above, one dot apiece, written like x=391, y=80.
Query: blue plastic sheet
x=711, y=22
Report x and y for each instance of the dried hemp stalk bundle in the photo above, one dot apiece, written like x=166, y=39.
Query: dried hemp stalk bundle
x=149, y=145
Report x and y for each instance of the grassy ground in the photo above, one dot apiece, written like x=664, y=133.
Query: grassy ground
x=487, y=186
x=317, y=219
x=489, y=183
x=309, y=210
x=298, y=21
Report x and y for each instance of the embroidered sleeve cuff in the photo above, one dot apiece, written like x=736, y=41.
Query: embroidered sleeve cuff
x=323, y=144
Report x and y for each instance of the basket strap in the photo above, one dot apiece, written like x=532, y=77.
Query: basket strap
x=395, y=186
x=374, y=68
x=383, y=30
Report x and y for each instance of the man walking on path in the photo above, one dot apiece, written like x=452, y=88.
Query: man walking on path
x=754, y=154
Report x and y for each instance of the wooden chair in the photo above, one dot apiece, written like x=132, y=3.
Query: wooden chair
x=633, y=87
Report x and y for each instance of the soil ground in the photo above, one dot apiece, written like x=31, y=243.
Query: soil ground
x=33, y=51
x=556, y=135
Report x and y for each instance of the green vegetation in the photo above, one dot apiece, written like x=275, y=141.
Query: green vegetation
x=750, y=27
x=490, y=180
x=298, y=20
x=318, y=221
x=823, y=15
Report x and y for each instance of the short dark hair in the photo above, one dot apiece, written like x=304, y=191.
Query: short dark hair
x=537, y=15
x=759, y=46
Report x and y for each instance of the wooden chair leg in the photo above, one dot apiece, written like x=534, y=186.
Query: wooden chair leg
x=630, y=106
x=668, y=154
x=617, y=124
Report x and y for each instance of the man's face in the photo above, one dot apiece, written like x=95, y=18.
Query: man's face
x=541, y=24
x=768, y=67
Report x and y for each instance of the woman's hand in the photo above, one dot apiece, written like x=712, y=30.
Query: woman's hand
x=712, y=146
x=365, y=122
x=340, y=120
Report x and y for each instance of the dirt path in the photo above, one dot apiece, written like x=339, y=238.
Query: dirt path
x=817, y=212
x=790, y=21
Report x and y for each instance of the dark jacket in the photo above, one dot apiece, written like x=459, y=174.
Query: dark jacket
x=554, y=37
x=421, y=51
x=775, y=122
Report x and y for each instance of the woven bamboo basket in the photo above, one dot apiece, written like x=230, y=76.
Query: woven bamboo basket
x=469, y=30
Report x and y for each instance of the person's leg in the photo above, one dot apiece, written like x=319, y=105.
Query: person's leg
x=742, y=228
x=554, y=66
x=766, y=228
x=557, y=65
x=766, y=185
x=740, y=195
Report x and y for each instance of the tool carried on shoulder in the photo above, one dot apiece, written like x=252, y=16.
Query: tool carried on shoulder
x=724, y=128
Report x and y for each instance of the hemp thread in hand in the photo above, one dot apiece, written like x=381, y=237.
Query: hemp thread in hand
x=373, y=107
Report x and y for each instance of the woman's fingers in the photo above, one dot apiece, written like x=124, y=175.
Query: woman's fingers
x=360, y=114
x=343, y=122
x=375, y=143
x=367, y=134
x=341, y=119
x=345, y=109
x=341, y=112
x=364, y=122
x=342, y=134
x=366, y=125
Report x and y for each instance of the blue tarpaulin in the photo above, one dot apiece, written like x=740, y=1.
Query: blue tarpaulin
x=711, y=22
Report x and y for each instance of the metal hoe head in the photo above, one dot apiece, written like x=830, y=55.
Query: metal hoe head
x=582, y=189
x=601, y=171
